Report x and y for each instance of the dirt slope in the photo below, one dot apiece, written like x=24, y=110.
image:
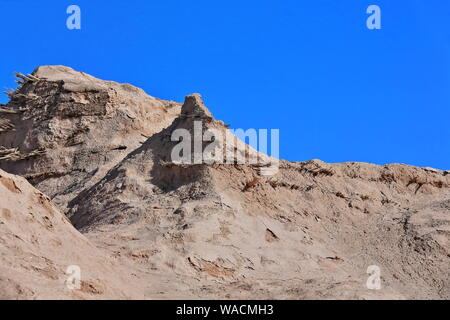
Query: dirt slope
x=216, y=230
x=38, y=244
x=63, y=129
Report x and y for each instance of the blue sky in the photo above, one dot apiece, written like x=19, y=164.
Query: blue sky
x=336, y=90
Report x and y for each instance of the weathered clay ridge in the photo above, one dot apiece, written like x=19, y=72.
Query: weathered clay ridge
x=140, y=225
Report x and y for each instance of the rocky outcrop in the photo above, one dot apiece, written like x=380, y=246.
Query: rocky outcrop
x=223, y=229
x=66, y=129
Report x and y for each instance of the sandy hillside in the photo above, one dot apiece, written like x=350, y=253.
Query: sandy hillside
x=144, y=226
x=38, y=244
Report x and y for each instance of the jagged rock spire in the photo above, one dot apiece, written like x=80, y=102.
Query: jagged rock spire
x=193, y=105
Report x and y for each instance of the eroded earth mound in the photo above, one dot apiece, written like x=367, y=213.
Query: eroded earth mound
x=144, y=226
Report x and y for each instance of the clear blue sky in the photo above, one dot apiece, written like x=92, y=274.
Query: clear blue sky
x=336, y=90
